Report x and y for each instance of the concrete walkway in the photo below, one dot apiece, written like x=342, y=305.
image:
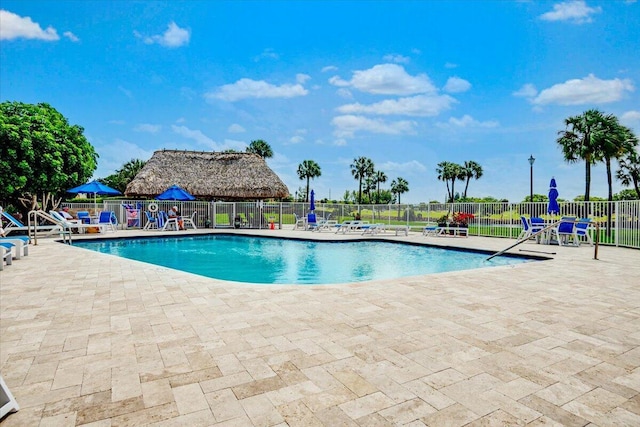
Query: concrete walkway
x=91, y=339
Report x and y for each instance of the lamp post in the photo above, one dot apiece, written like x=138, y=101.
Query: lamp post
x=531, y=162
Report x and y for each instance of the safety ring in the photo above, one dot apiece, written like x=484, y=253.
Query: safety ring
x=153, y=207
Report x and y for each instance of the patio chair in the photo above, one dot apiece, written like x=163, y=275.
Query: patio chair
x=84, y=217
x=5, y=254
x=526, y=228
x=312, y=222
x=300, y=222
x=109, y=219
x=431, y=230
x=20, y=244
x=152, y=222
x=581, y=230
x=15, y=225
x=564, y=231
x=190, y=221
x=74, y=225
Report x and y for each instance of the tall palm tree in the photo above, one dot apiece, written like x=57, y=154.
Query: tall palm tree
x=261, y=148
x=308, y=169
x=577, y=143
x=444, y=174
x=629, y=172
x=399, y=186
x=360, y=169
x=613, y=141
x=471, y=169
x=381, y=178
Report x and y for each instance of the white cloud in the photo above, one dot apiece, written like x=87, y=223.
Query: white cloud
x=588, y=90
x=386, y=79
x=412, y=167
x=296, y=139
x=527, y=91
x=329, y=68
x=247, y=88
x=173, y=37
x=344, y=93
x=575, y=11
x=146, y=127
x=421, y=106
x=126, y=92
x=399, y=59
x=268, y=53
x=195, y=135
x=467, y=121
x=346, y=126
x=14, y=26
x=116, y=154
x=71, y=36
x=236, y=128
x=631, y=118
x=457, y=85
x=302, y=78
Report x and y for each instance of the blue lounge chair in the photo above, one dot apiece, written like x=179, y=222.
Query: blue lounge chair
x=5, y=254
x=19, y=243
x=526, y=228
x=564, y=231
x=84, y=217
x=109, y=220
x=581, y=230
x=152, y=222
x=15, y=225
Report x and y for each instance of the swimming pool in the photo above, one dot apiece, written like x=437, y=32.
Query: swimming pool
x=267, y=260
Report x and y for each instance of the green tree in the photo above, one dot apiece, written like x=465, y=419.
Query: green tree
x=308, y=169
x=577, y=141
x=449, y=171
x=124, y=175
x=261, y=148
x=629, y=172
x=614, y=141
x=470, y=170
x=41, y=155
x=399, y=186
x=360, y=169
x=380, y=178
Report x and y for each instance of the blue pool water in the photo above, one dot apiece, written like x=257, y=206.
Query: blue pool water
x=270, y=260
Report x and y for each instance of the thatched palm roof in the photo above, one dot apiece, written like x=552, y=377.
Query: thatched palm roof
x=208, y=175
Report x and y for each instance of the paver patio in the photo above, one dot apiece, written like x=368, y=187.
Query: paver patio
x=91, y=339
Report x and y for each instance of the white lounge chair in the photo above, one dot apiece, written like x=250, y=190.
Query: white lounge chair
x=21, y=245
x=190, y=221
x=77, y=225
x=15, y=225
x=301, y=222
x=5, y=256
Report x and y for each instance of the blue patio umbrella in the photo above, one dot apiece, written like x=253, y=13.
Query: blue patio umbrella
x=175, y=193
x=553, y=207
x=312, y=203
x=96, y=188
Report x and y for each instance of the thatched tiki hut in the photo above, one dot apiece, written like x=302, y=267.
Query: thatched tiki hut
x=208, y=175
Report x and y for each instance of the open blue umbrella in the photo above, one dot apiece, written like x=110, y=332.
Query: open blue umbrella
x=96, y=188
x=312, y=203
x=175, y=193
x=553, y=207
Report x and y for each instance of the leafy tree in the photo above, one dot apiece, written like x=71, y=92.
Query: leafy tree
x=380, y=178
x=41, y=155
x=399, y=186
x=626, y=194
x=470, y=170
x=261, y=148
x=124, y=175
x=308, y=169
x=448, y=171
x=360, y=169
x=577, y=141
x=629, y=172
x=613, y=141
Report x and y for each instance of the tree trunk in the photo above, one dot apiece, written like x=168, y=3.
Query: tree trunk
x=466, y=187
x=307, y=188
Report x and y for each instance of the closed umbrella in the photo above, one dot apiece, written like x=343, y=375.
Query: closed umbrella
x=312, y=203
x=553, y=207
x=96, y=188
x=175, y=193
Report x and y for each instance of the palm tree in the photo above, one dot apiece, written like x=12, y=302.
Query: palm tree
x=123, y=176
x=629, y=172
x=614, y=141
x=380, y=178
x=261, y=148
x=577, y=141
x=399, y=186
x=471, y=169
x=308, y=169
x=444, y=173
x=360, y=169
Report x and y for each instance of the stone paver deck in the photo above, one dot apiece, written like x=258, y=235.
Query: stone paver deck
x=91, y=339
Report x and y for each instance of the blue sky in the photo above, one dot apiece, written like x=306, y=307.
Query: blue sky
x=407, y=84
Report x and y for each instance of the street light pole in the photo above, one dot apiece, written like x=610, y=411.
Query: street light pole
x=531, y=161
